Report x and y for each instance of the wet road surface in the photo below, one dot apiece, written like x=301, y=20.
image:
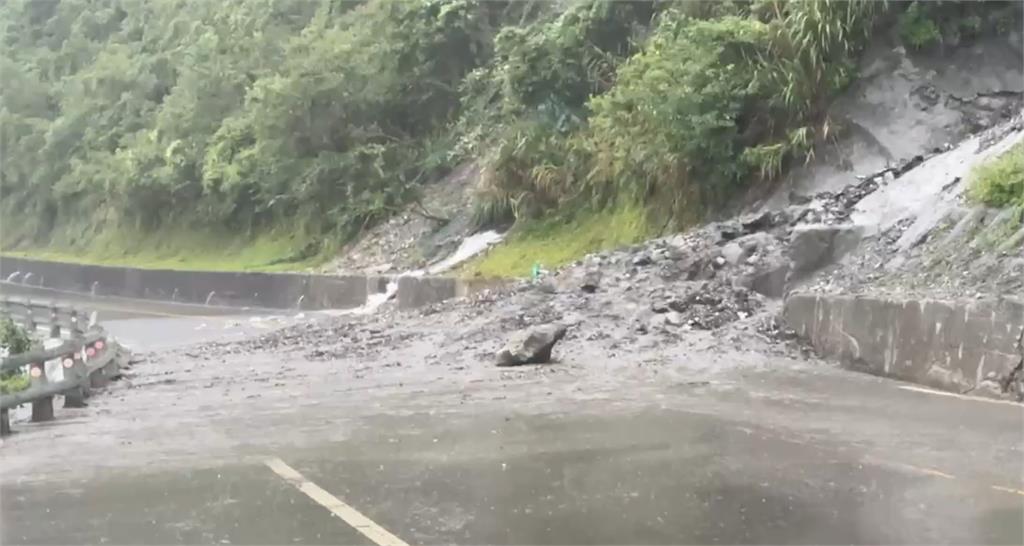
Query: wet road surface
x=156, y=325
x=804, y=456
x=677, y=478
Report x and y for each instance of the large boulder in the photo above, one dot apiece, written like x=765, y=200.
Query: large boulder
x=815, y=246
x=531, y=346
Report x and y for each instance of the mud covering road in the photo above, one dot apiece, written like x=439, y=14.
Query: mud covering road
x=699, y=439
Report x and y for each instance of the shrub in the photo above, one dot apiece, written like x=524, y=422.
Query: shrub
x=917, y=29
x=672, y=127
x=15, y=340
x=1000, y=181
x=531, y=168
x=521, y=111
x=711, y=106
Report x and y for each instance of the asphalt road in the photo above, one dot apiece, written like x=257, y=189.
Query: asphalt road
x=156, y=325
x=807, y=455
x=654, y=477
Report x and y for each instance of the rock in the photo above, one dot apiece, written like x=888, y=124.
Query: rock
x=906, y=165
x=591, y=280
x=657, y=322
x=733, y=253
x=798, y=199
x=674, y=318
x=728, y=231
x=755, y=242
x=545, y=287
x=641, y=321
x=531, y=346
x=927, y=96
x=642, y=260
x=813, y=247
x=771, y=280
x=679, y=306
x=809, y=248
x=758, y=222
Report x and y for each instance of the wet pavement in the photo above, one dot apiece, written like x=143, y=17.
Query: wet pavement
x=236, y=505
x=159, y=325
x=602, y=474
x=607, y=482
x=778, y=452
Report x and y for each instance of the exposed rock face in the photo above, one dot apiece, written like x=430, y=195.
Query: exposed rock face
x=909, y=104
x=531, y=346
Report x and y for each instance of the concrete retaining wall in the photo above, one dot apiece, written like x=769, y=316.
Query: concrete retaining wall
x=235, y=289
x=972, y=346
x=419, y=291
x=239, y=289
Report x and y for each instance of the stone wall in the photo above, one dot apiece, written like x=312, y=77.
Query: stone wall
x=960, y=346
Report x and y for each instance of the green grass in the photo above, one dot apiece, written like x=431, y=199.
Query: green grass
x=555, y=242
x=999, y=182
x=186, y=250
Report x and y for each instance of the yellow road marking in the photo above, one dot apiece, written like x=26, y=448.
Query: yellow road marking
x=933, y=472
x=910, y=468
x=961, y=396
x=126, y=308
x=349, y=515
x=95, y=307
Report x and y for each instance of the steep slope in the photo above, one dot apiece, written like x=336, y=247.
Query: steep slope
x=910, y=104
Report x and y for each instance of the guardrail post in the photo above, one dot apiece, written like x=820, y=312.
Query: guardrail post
x=5, y=423
x=74, y=368
x=76, y=327
x=99, y=377
x=30, y=320
x=42, y=409
x=54, y=323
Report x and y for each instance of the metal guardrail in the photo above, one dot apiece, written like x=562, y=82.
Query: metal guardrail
x=88, y=357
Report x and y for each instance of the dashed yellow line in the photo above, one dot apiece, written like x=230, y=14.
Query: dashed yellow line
x=961, y=396
x=911, y=468
x=349, y=515
x=932, y=472
x=1008, y=490
x=135, y=311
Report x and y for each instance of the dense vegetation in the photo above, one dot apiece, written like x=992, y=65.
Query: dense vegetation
x=249, y=119
x=1000, y=181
